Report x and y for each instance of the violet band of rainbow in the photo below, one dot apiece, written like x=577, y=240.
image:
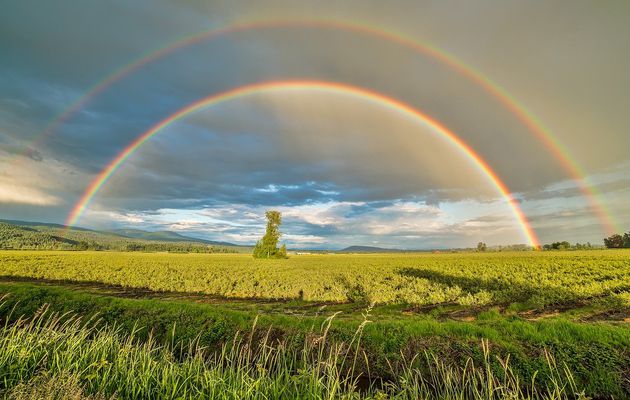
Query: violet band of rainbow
x=333, y=87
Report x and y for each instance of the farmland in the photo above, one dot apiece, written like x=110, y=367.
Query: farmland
x=447, y=310
x=533, y=279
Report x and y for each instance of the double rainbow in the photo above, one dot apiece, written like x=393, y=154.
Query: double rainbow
x=535, y=126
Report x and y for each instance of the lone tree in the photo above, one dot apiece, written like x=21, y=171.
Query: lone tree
x=481, y=246
x=267, y=247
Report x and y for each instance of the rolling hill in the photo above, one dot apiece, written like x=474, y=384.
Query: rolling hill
x=370, y=249
x=46, y=236
x=166, y=236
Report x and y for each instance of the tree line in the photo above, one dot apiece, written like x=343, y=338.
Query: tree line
x=618, y=241
x=564, y=245
x=615, y=241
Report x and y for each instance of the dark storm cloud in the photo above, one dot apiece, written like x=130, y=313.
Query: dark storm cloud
x=290, y=151
x=78, y=43
x=114, y=117
x=622, y=184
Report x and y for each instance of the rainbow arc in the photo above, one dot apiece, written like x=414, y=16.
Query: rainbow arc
x=332, y=87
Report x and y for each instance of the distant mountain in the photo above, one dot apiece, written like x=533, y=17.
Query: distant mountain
x=42, y=224
x=369, y=249
x=41, y=235
x=165, y=236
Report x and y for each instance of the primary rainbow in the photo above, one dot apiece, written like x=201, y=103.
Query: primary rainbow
x=334, y=87
x=534, y=125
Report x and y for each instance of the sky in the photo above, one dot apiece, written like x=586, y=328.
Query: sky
x=343, y=169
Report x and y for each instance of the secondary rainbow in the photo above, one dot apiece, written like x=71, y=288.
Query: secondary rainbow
x=534, y=125
x=333, y=87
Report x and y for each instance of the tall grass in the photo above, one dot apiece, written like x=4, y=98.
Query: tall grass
x=52, y=356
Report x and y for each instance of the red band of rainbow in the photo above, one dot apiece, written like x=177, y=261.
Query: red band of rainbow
x=333, y=87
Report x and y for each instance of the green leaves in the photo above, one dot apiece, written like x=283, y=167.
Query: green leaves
x=267, y=247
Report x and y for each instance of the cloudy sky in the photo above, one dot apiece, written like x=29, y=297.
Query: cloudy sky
x=343, y=169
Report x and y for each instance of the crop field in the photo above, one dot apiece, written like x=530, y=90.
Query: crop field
x=446, y=322
x=535, y=279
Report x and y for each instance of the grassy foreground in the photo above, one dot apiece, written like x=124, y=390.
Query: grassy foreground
x=595, y=353
x=53, y=356
x=442, y=326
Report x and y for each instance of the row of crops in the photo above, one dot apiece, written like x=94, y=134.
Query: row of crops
x=417, y=279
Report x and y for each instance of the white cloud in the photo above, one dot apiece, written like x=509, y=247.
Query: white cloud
x=25, y=180
x=12, y=193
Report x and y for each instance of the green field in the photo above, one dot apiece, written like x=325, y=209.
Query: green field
x=534, y=279
x=574, y=306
